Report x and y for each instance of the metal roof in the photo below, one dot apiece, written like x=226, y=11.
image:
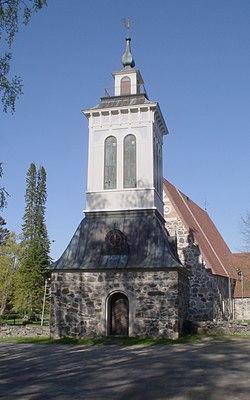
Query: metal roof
x=122, y=101
x=143, y=242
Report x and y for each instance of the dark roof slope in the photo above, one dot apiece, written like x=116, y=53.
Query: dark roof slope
x=211, y=244
x=122, y=101
x=241, y=262
x=143, y=242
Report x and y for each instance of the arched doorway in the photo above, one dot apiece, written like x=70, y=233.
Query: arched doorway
x=118, y=315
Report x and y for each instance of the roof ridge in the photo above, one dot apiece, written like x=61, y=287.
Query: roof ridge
x=241, y=253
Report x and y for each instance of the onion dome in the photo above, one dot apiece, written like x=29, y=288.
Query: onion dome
x=127, y=58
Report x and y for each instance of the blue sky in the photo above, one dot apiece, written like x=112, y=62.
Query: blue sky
x=194, y=56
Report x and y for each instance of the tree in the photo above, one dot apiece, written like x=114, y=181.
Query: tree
x=28, y=227
x=41, y=230
x=3, y=202
x=4, y=232
x=246, y=229
x=8, y=270
x=11, y=12
x=3, y=193
x=35, y=245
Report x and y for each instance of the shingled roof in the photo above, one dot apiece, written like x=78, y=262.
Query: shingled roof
x=241, y=262
x=213, y=248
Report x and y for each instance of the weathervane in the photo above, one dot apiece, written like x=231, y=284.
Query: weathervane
x=126, y=23
x=127, y=58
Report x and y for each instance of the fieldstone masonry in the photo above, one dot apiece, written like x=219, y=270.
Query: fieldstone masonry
x=220, y=328
x=158, y=302
x=7, y=331
x=208, y=297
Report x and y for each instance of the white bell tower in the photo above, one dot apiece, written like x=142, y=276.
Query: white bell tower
x=120, y=274
x=125, y=146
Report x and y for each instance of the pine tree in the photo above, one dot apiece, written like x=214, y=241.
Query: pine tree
x=28, y=227
x=41, y=229
x=4, y=232
x=35, y=244
x=3, y=193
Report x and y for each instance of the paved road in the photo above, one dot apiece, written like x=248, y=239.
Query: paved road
x=210, y=370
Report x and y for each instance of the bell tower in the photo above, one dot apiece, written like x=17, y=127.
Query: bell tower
x=125, y=145
x=120, y=274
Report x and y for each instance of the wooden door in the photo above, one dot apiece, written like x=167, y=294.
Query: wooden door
x=119, y=315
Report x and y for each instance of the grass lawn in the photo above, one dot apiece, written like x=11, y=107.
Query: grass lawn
x=103, y=341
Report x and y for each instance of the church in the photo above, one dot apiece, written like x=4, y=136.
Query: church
x=134, y=266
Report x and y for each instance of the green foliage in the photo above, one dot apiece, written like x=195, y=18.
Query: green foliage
x=4, y=232
x=10, y=88
x=3, y=193
x=29, y=224
x=11, y=13
x=30, y=281
x=41, y=233
x=35, y=246
x=9, y=255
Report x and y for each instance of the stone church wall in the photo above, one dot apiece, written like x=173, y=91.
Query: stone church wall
x=158, y=302
x=208, y=298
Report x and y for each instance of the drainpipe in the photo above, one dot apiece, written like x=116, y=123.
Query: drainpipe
x=230, y=299
x=241, y=279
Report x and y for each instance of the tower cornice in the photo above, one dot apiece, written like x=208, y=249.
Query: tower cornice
x=149, y=106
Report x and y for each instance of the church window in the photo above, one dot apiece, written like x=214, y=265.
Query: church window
x=129, y=161
x=157, y=166
x=110, y=161
x=125, y=86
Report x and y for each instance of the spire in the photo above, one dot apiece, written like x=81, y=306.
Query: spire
x=127, y=58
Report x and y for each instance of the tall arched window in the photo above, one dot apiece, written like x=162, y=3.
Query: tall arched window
x=129, y=163
x=125, y=85
x=110, y=161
